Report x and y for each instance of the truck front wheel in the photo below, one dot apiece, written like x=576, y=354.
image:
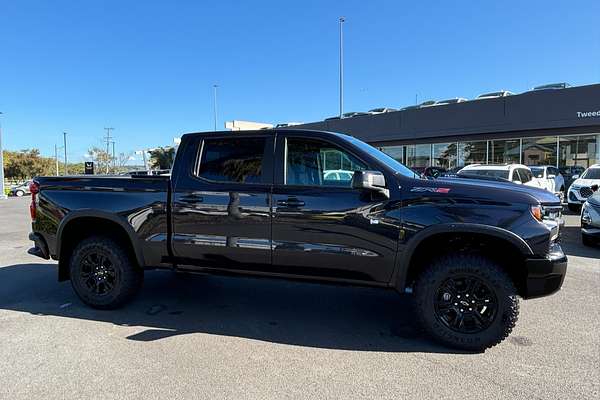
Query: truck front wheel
x=102, y=273
x=466, y=302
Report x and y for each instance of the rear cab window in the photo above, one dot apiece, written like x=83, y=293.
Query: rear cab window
x=232, y=160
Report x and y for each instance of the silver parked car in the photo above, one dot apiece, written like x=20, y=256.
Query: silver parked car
x=20, y=190
x=590, y=218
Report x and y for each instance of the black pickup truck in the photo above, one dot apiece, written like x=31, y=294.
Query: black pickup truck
x=309, y=205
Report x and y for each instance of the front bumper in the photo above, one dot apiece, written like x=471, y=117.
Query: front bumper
x=591, y=232
x=545, y=275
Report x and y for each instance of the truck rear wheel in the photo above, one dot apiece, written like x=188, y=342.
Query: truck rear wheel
x=102, y=273
x=466, y=302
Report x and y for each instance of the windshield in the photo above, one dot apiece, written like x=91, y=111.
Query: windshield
x=382, y=157
x=538, y=172
x=494, y=173
x=591, y=173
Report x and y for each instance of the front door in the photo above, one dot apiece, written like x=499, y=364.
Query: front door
x=321, y=225
x=221, y=205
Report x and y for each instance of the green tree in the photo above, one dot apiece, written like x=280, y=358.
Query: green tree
x=25, y=164
x=101, y=159
x=162, y=157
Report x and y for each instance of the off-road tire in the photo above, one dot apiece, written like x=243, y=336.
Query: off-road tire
x=483, y=269
x=128, y=276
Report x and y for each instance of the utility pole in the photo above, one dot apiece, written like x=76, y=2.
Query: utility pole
x=342, y=20
x=2, y=195
x=56, y=157
x=215, y=104
x=107, y=138
x=113, y=155
x=65, y=144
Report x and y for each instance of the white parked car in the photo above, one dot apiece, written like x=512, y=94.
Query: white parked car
x=337, y=175
x=590, y=219
x=551, y=179
x=581, y=188
x=516, y=173
x=493, y=95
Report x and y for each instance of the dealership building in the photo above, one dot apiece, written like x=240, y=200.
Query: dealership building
x=558, y=127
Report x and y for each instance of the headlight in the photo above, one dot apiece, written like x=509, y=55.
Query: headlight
x=586, y=218
x=536, y=211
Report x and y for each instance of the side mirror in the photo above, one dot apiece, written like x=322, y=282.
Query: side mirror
x=551, y=176
x=575, y=176
x=370, y=180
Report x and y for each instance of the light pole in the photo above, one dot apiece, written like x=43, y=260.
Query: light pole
x=65, y=145
x=215, y=104
x=2, y=195
x=114, y=160
x=56, y=157
x=342, y=20
x=107, y=138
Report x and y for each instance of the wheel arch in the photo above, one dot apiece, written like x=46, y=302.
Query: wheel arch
x=407, y=264
x=78, y=225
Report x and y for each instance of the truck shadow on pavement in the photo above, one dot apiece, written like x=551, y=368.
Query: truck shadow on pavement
x=277, y=311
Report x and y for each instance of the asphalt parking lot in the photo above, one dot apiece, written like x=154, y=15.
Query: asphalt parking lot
x=237, y=338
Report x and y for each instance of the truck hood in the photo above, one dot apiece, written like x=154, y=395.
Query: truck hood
x=493, y=187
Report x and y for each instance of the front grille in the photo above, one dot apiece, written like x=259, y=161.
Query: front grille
x=586, y=192
x=572, y=196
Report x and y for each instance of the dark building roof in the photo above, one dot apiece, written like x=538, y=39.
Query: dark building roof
x=534, y=113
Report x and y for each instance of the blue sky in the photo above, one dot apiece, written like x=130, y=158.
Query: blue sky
x=147, y=68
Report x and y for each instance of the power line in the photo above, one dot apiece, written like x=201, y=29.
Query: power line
x=65, y=145
x=107, y=138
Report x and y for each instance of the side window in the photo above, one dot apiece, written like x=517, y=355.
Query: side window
x=236, y=160
x=310, y=162
x=526, y=175
x=516, y=176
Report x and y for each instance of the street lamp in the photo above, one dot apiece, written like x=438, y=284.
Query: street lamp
x=342, y=20
x=215, y=104
x=2, y=195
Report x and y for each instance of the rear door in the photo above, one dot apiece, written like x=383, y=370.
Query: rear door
x=324, y=227
x=221, y=203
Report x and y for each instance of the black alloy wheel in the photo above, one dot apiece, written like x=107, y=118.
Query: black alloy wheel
x=103, y=273
x=465, y=304
x=98, y=274
x=466, y=301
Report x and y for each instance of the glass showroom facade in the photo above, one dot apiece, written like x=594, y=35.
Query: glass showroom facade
x=560, y=151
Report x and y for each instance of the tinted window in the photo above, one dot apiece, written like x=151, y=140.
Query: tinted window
x=538, y=172
x=318, y=163
x=494, y=173
x=526, y=175
x=232, y=160
x=380, y=156
x=591, y=173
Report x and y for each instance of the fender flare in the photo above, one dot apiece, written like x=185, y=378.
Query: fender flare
x=406, y=251
x=87, y=213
